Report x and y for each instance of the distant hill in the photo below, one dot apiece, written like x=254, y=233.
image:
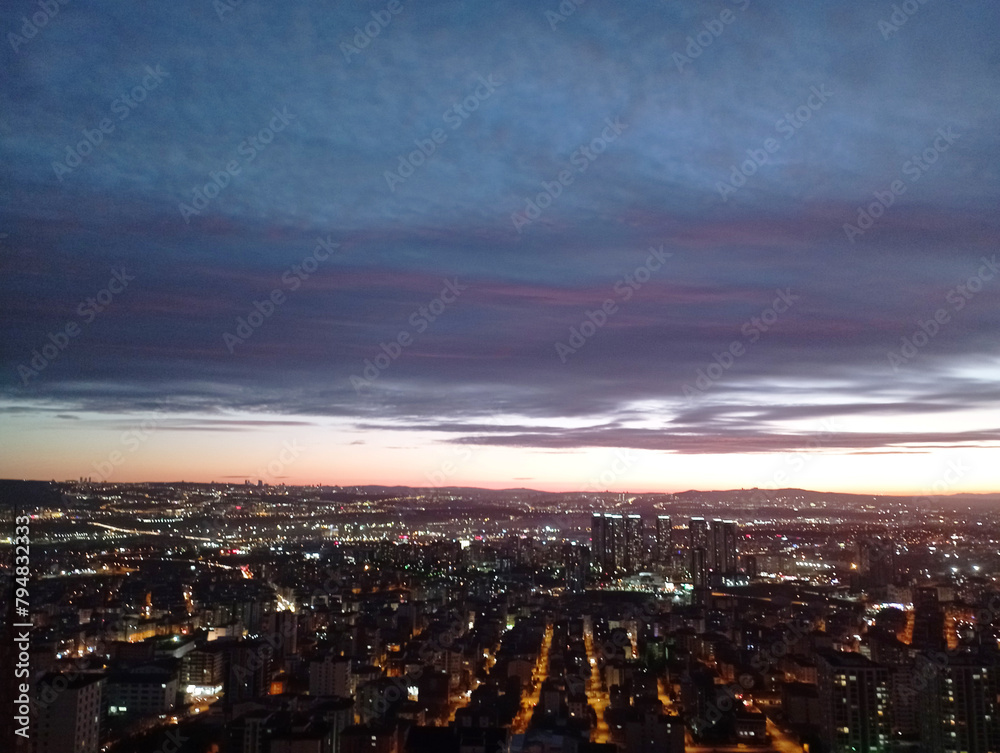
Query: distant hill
x=28, y=493
x=19, y=492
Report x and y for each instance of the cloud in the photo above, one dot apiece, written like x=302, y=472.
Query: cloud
x=728, y=441
x=159, y=345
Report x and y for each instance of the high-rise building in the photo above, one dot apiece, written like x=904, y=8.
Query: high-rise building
x=722, y=552
x=617, y=543
x=712, y=550
x=635, y=547
x=331, y=676
x=145, y=692
x=876, y=563
x=699, y=567
x=599, y=540
x=370, y=739
x=663, y=545
x=854, y=702
x=697, y=551
x=576, y=564
x=654, y=733
x=202, y=668
x=69, y=713
x=928, y=619
x=246, y=669
x=960, y=709
x=697, y=533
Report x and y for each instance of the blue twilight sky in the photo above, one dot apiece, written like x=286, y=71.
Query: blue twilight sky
x=701, y=170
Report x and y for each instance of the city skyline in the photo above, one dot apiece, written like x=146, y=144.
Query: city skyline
x=239, y=618
x=652, y=248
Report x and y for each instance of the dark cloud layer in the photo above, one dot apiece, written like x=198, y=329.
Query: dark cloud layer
x=767, y=269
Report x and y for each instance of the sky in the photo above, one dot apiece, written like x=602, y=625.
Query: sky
x=643, y=246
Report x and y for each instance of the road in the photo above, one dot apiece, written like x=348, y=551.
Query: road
x=781, y=741
x=540, y=674
x=662, y=692
x=597, y=697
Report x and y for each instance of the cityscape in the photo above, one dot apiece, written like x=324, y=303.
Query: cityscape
x=537, y=376
x=255, y=618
